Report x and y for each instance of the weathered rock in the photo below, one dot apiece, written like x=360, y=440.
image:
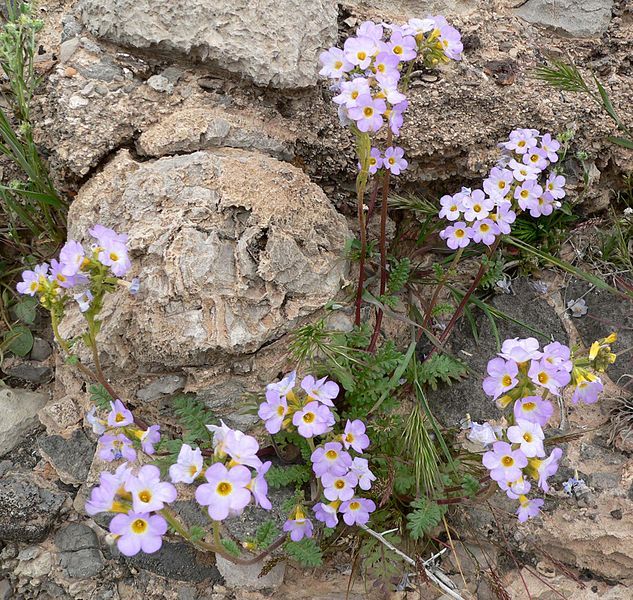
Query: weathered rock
x=71, y=458
x=233, y=249
x=271, y=42
x=79, y=546
x=41, y=350
x=28, y=507
x=6, y=591
x=19, y=415
x=192, y=129
x=27, y=370
x=34, y=562
x=161, y=387
x=579, y=18
x=249, y=577
x=60, y=415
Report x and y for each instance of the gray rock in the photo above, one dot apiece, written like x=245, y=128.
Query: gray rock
x=450, y=404
x=28, y=507
x=41, y=350
x=271, y=42
x=27, y=370
x=59, y=415
x=34, y=562
x=70, y=28
x=104, y=70
x=162, y=386
x=249, y=577
x=19, y=416
x=67, y=49
x=6, y=591
x=178, y=561
x=578, y=18
x=79, y=547
x=71, y=458
x=160, y=84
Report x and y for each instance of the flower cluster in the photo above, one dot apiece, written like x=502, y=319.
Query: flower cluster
x=81, y=273
x=521, y=378
x=368, y=78
x=518, y=183
x=339, y=473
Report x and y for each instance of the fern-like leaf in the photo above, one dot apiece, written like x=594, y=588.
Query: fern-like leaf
x=562, y=76
x=441, y=368
x=231, y=547
x=424, y=518
x=306, y=552
x=99, y=396
x=278, y=477
x=266, y=534
x=194, y=417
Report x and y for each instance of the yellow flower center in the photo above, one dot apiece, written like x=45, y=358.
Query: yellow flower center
x=506, y=380
x=398, y=50
x=349, y=437
x=361, y=55
x=145, y=496
x=507, y=461
x=114, y=256
x=501, y=185
x=524, y=194
x=331, y=454
x=527, y=437
x=61, y=277
x=372, y=161
x=368, y=111
x=483, y=228
x=119, y=417
x=340, y=484
x=354, y=505
x=308, y=417
x=477, y=208
x=521, y=144
x=338, y=64
x=392, y=160
x=528, y=406
x=460, y=233
x=224, y=488
x=33, y=286
x=453, y=208
x=355, y=94
x=281, y=410
x=193, y=470
x=543, y=377
x=381, y=67
x=139, y=526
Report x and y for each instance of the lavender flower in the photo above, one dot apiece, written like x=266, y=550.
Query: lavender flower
x=335, y=64
x=149, y=493
x=529, y=508
x=529, y=436
x=360, y=468
x=32, y=280
x=451, y=207
x=273, y=411
x=115, y=447
x=482, y=433
x=71, y=257
x=368, y=113
x=285, y=386
x=300, y=527
x=226, y=493
x=339, y=487
x=533, y=409
x=119, y=416
x=83, y=300
x=520, y=350
x=357, y=510
x=550, y=146
x=150, y=437
x=457, y=235
x=354, y=436
x=188, y=466
x=259, y=486
x=504, y=463
x=313, y=419
x=546, y=468
x=394, y=160
x=330, y=459
x=587, y=391
x=103, y=497
x=322, y=390
x=485, y=232
x=477, y=206
x=542, y=373
x=242, y=449
x=326, y=513
x=502, y=377
x=138, y=531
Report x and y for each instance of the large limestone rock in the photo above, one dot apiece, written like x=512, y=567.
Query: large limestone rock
x=270, y=42
x=233, y=249
x=19, y=415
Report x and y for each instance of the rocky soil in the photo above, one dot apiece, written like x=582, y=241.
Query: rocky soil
x=201, y=129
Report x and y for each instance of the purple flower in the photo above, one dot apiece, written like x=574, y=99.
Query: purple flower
x=71, y=257
x=527, y=194
x=356, y=511
x=558, y=356
x=360, y=50
x=31, y=280
x=98, y=425
x=103, y=497
x=485, y=232
x=394, y=160
x=326, y=513
x=396, y=117
x=555, y=185
x=522, y=140
x=529, y=436
x=273, y=411
x=62, y=280
x=285, y=386
x=150, y=437
x=498, y=183
x=516, y=489
x=546, y=468
x=544, y=205
x=351, y=91
x=335, y=64
x=529, y=508
x=330, y=458
x=522, y=172
x=354, y=436
x=587, y=391
x=375, y=161
x=115, y=447
x=313, y=419
x=403, y=47
x=219, y=437
x=135, y=286
x=504, y=217
x=520, y=350
x=370, y=30
x=551, y=146
x=536, y=158
x=360, y=468
x=339, y=487
x=504, y=463
x=259, y=487
x=451, y=207
x=502, y=377
x=119, y=416
x=457, y=235
x=534, y=409
x=389, y=87
x=149, y=493
x=477, y=206
x=105, y=235
x=542, y=373
x=242, y=449
x=226, y=493
x=83, y=300
x=418, y=27
x=114, y=254
x=451, y=41
x=321, y=390
x=483, y=433
x=386, y=64
x=300, y=527
x=138, y=531
x=368, y=113
x=188, y=466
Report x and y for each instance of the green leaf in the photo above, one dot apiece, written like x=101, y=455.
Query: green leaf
x=441, y=368
x=100, y=396
x=197, y=533
x=72, y=360
x=306, y=552
x=266, y=534
x=395, y=378
x=624, y=142
x=426, y=516
x=278, y=477
x=26, y=310
x=470, y=485
x=231, y=547
x=606, y=101
x=19, y=340
x=194, y=417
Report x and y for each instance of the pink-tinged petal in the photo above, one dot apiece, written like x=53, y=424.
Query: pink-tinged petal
x=157, y=525
x=120, y=524
x=219, y=511
x=129, y=544
x=151, y=543
x=240, y=475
